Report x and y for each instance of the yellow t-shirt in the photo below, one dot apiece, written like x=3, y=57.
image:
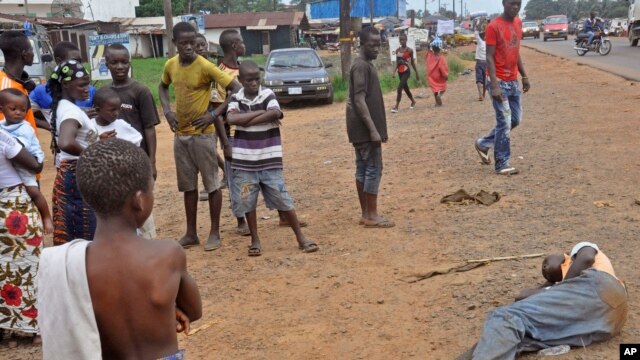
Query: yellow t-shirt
x=192, y=84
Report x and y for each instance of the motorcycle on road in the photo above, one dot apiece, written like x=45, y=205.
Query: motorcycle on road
x=601, y=44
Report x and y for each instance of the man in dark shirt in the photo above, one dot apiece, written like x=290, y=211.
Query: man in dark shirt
x=138, y=107
x=367, y=127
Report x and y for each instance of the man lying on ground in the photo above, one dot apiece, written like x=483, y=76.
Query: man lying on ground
x=588, y=305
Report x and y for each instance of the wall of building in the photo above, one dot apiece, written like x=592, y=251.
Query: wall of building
x=102, y=10
x=279, y=38
x=41, y=10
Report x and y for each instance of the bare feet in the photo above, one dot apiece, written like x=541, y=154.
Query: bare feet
x=213, y=243
x=188, y=241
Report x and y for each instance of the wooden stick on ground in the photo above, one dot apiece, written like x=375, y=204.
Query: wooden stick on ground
x=203, y=327
x=502, y=258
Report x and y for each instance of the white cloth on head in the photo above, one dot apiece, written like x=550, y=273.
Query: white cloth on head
x=65, y=312
x=24, y=133
x=123, y=130
x=87, y=133
x=9, y=148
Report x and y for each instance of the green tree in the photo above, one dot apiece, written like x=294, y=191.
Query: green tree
x=301, y=4
x=154, y=8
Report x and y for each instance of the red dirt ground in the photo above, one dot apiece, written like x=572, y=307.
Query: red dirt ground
x=578, y=144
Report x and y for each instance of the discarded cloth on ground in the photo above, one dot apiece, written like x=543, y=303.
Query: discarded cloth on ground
x=461, y=197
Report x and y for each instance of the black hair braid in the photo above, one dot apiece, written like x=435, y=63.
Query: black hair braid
x=54, y=88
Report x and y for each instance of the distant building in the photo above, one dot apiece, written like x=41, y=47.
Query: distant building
x=94, y=10
x=261, y=31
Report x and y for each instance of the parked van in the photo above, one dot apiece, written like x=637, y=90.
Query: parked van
x=556, y=27
x=43, y=62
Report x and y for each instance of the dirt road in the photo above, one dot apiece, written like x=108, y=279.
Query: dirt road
x=347, y=300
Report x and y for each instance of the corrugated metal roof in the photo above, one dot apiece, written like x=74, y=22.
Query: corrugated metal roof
x=234, y=20
x=155, y=22
x=43, y=20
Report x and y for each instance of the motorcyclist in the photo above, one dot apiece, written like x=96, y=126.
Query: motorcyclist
x=591, y=25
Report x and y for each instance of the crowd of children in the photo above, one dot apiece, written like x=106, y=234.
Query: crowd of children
x=104, y=147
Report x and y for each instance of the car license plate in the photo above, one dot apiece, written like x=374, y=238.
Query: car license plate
x=555, y=33
x=295, y=91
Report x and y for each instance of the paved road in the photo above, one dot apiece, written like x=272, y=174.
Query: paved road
x=623, y=59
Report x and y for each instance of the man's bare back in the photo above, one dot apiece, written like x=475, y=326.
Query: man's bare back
x=134, y=297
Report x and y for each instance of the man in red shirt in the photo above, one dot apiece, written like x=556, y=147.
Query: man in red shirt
x=503, y=36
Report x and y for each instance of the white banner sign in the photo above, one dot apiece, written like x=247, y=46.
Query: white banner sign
x=394, y=44
x=445, y=27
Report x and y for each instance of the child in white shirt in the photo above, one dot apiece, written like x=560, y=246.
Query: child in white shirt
x=107, y=104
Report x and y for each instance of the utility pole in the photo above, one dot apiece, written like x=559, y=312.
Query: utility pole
x=26, y=7
x=454, y=9
x=345, y=39
x=168, y=20
x=371, y=12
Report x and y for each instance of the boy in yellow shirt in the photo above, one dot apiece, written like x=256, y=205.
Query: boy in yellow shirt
x=195, y=127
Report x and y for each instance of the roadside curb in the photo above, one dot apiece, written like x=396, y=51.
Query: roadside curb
x=579, y=62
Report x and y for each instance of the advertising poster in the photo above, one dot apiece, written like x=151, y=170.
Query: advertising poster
x=97, y=46
x=445, y=27
x=394, y=44
x=197, y=21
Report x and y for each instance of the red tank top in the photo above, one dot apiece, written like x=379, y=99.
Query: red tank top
x=403, y=60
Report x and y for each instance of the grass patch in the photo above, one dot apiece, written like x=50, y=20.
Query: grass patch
x=258, y=59
x=455, y=67
x=467, y=56
x=148, y=72
x=340, y=88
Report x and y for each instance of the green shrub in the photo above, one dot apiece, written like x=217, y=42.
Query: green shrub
x=467, y=56
x=455, y=67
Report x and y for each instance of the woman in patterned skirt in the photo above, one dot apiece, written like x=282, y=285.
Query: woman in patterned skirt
x=20, y=242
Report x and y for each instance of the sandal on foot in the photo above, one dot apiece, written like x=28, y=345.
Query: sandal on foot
x=384, y=223
x=413, y=106
x=309, y=247
x=189, y=242
x=394, y=110
x=243, y=231
x=483, y=153
x=255, y=250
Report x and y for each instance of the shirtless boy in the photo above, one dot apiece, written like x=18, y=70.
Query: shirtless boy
x=121, y=294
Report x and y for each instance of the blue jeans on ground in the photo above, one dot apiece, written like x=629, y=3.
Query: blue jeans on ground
x=588, y=308
x=508, y=116
x=591, y=36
